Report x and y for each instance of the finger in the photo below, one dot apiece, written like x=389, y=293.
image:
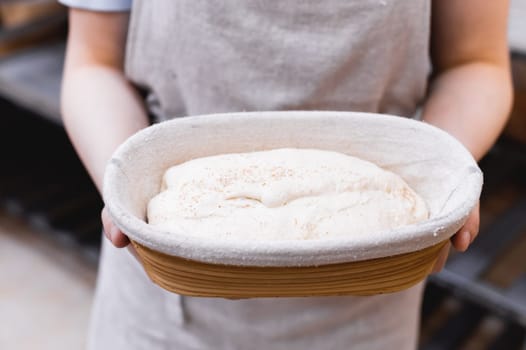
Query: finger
x=106, y=223
x=473, y=224
x=119, y=239
x=467, y=234
x=461, y=240
x=442, y=258
x=112, y=232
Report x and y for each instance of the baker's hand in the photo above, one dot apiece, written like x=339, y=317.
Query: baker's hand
x=116, y=236
x=461, y=240
x=467, y=233
x=112, y=232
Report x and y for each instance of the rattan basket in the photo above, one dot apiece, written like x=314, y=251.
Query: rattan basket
x=367, y=277
x=432, y=162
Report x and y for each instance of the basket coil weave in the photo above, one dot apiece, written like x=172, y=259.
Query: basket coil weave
x=375, y=276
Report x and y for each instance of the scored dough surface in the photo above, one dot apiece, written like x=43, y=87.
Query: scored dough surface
x=283, y=194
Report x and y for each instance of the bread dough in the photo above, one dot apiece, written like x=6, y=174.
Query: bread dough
x=283, y=194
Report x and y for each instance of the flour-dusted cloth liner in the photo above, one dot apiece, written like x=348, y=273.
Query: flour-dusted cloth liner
x=431, y=161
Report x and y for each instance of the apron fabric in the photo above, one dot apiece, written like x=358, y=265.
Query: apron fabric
x=195, y=57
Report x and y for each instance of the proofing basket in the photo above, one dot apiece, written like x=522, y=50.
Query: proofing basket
x=431, y=161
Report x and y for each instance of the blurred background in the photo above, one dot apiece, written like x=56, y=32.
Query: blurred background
x=50, y=211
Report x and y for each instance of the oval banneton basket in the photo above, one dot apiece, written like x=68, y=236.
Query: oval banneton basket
x=431, y=161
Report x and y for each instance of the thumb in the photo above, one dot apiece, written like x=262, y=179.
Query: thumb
x=112, y=232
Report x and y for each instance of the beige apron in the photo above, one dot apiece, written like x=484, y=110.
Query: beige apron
x=198, y=56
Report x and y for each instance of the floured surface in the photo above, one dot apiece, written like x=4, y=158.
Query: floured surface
x=283, y=194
